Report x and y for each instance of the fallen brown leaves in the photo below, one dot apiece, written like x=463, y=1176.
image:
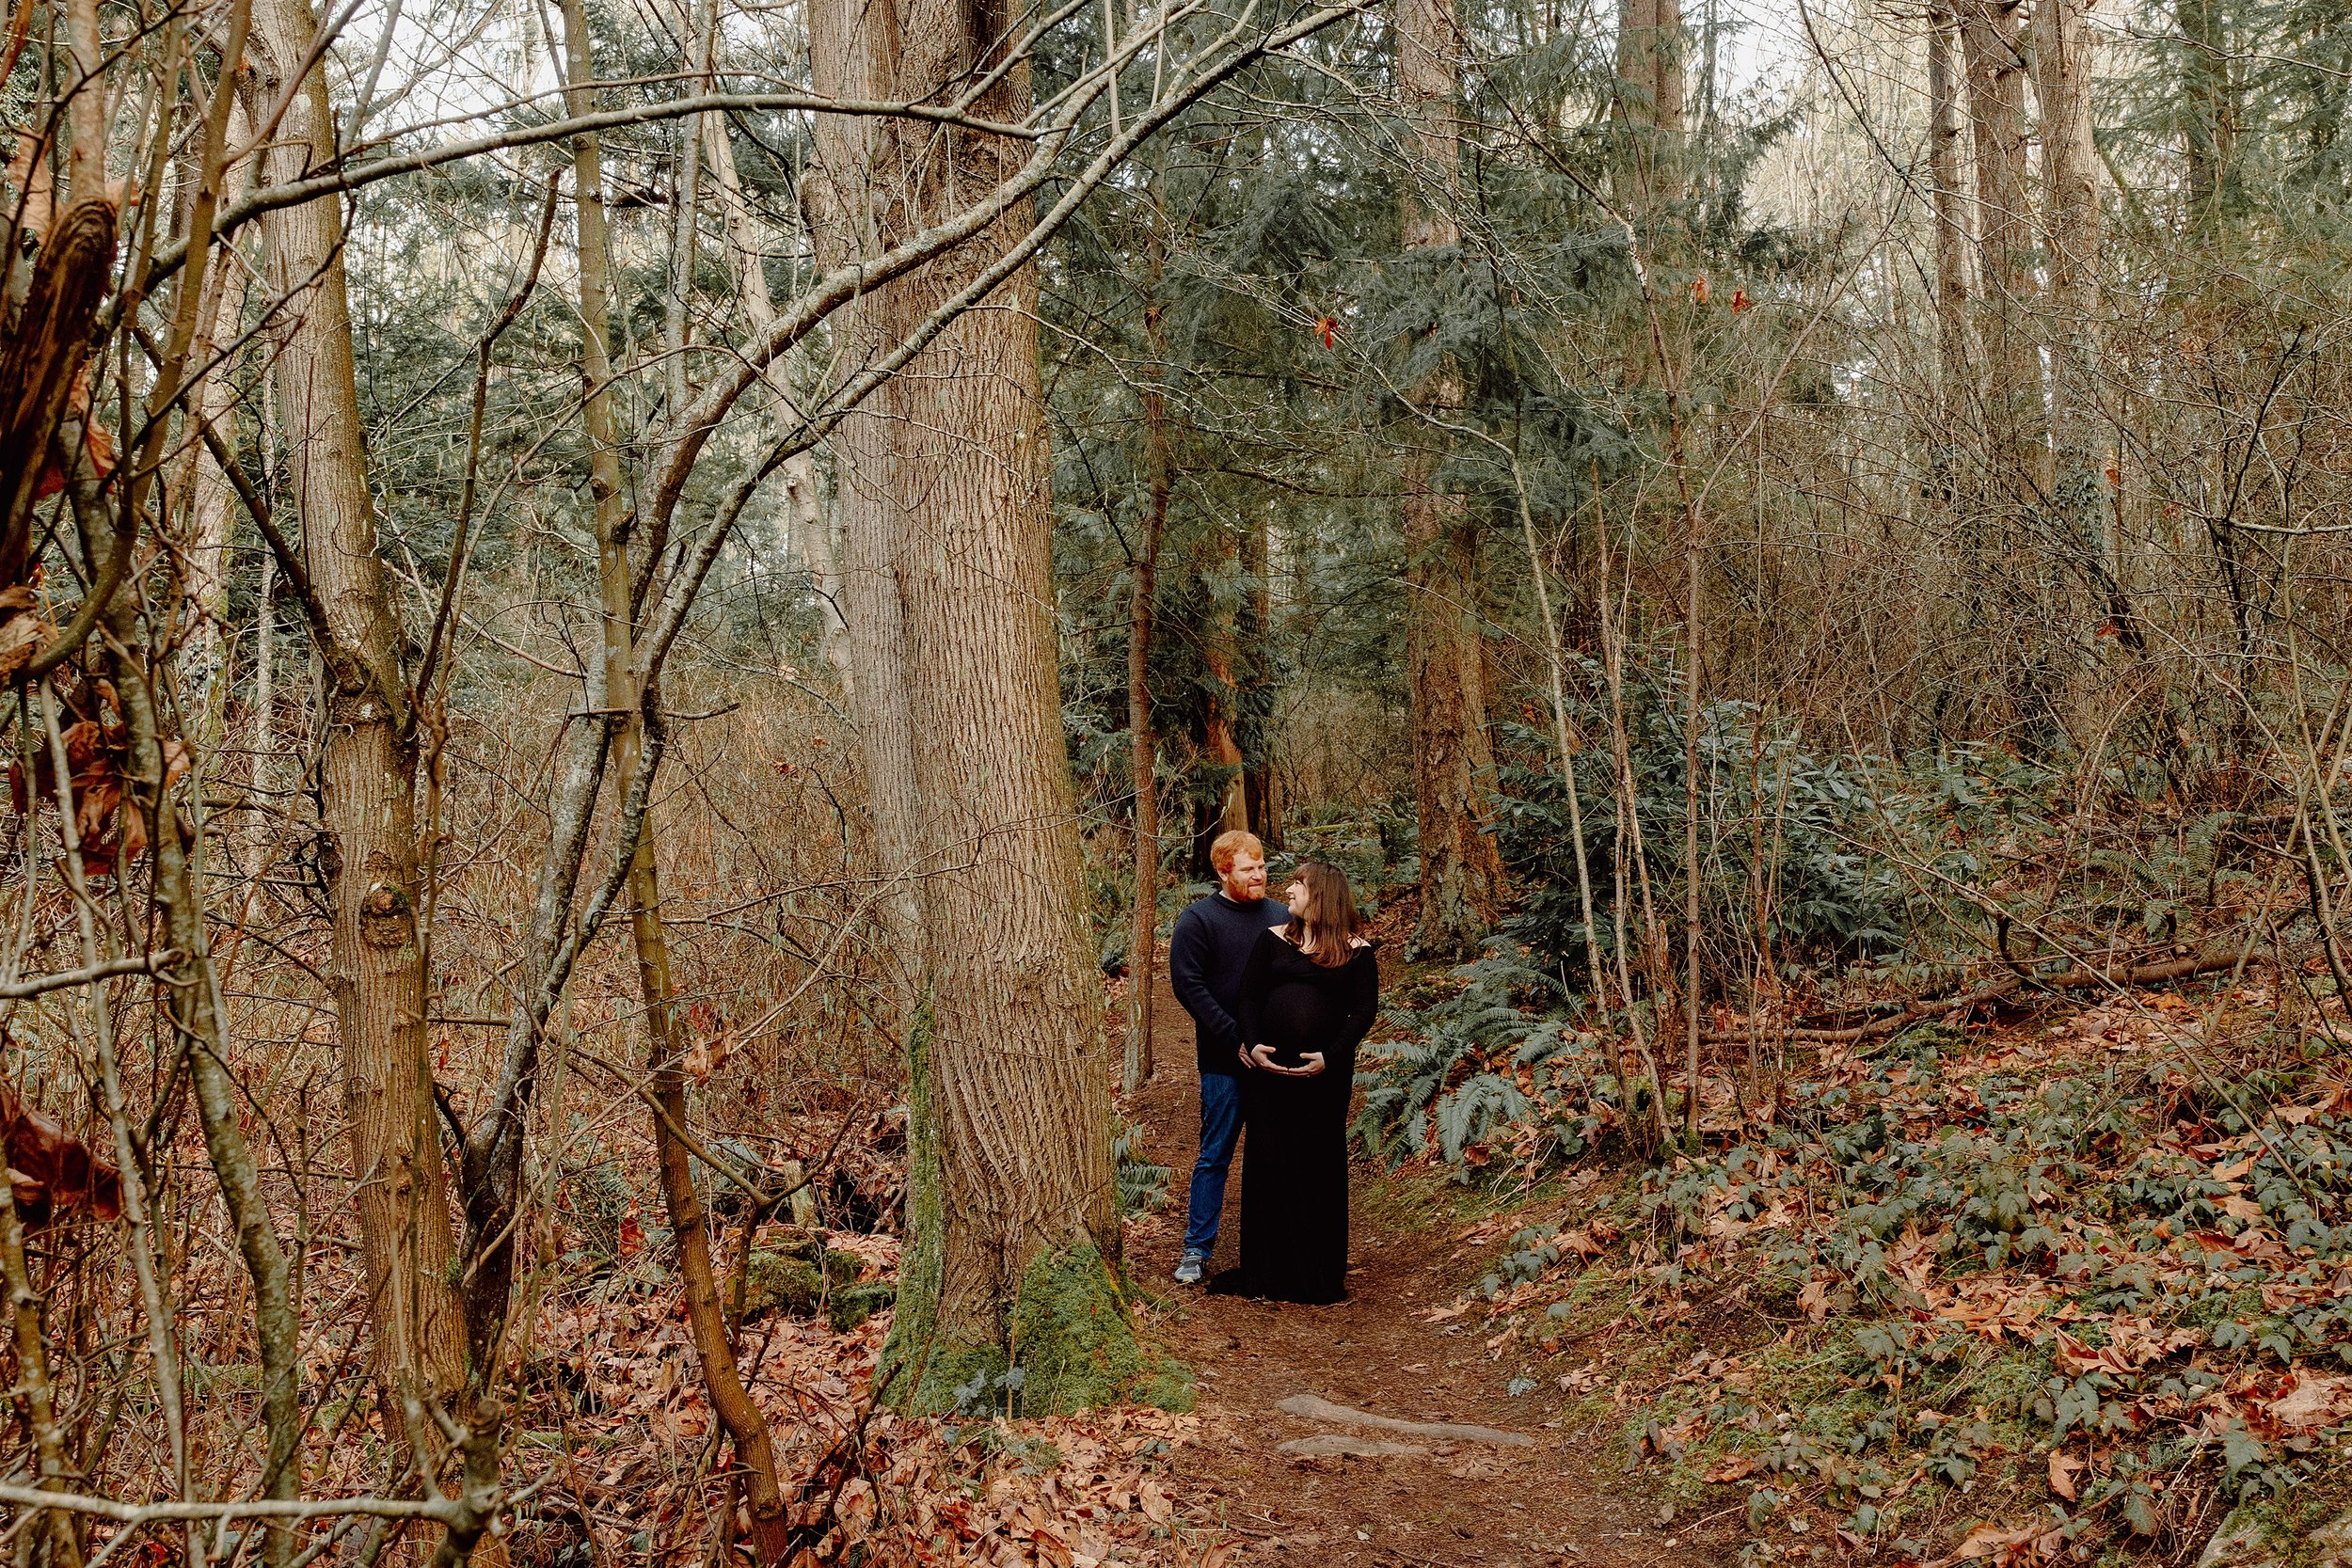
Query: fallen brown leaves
x=1083, y=1491
x=2071, y=1255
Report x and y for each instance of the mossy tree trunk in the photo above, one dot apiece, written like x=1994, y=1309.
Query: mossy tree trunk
x=1012, y=1214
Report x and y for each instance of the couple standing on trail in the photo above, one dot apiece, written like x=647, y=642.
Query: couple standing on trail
x=1280, y=992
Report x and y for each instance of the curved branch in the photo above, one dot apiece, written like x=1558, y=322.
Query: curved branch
x=270, y=199
x=105, y=969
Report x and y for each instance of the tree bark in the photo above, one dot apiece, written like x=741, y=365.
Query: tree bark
x=367, y=767
x=1227, y=808
x=1994, y=43
x=2062, y=61
x=2012, y=562
x=1012, y=1212
x=1461, y=872
x=1650, y=96
x=853, y=51
x=1143, y=741
x=1951, y=221
x=1262, y=805
x=2209, y=129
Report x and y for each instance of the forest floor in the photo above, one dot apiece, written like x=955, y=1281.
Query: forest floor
x=1391, y=1350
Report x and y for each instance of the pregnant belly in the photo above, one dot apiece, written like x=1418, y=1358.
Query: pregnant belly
x=1296, y=1018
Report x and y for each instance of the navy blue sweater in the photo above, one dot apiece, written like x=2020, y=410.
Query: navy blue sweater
x=1210, y=948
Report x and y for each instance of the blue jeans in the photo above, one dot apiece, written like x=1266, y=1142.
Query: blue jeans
x=1220, y=1129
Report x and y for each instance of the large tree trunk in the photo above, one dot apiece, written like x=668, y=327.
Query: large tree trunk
x=2011, y=561
x=367, y=765
x=1650, y=96
x=1993, y=42
x=2080, y=500
x=852, y=52
x=1020, y=1083
x=1461, y=873
x=1012, y=1222
x=1951, y=221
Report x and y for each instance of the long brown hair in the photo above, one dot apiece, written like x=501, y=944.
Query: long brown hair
x=1328, y=932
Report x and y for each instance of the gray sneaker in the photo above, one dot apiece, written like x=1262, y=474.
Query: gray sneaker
x=1189, y=1267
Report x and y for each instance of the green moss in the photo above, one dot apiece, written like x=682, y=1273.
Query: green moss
x=1075, y=1342
x=1068, y=1340
x=2281, y=1530
x=852, y=1306
x=1072, y=1345
x=804, y=1278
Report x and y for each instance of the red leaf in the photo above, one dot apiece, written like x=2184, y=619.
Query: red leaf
x=50, y=1169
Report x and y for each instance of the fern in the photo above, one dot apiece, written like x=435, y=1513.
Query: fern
x=1410, y=1086
x=1469, y=1113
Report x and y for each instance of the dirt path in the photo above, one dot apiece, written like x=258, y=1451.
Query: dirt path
x=1564, y=1499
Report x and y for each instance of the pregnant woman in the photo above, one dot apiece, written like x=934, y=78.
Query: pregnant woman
x=1308, y=997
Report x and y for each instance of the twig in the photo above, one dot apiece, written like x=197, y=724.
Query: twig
x=105, y=969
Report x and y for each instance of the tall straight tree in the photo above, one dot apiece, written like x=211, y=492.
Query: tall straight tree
x=368, y=752
x=1651, y=95
x=2062, y=48
x=1225, y=809
x=2209, y=116
x=1951, y=221
x=2011, y=558
x=1993, y=38
x=1142, y=739
x=1461, y=871
x=1013, y=1227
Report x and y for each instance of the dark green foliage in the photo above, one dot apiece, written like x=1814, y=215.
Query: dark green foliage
x=1814, y=858
x=1481, y=1063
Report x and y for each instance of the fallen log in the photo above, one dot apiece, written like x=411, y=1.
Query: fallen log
x=2079, y=977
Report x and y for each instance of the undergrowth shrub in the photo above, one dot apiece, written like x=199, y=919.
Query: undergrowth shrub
x=1493, y=1060
x=1812, y=857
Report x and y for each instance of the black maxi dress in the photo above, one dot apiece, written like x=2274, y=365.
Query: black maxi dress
x=1294, y=1194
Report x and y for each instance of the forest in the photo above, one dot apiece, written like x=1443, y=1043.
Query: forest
x=625, y=624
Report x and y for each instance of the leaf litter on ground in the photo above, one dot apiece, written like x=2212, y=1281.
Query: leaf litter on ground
x=2023, y=1294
